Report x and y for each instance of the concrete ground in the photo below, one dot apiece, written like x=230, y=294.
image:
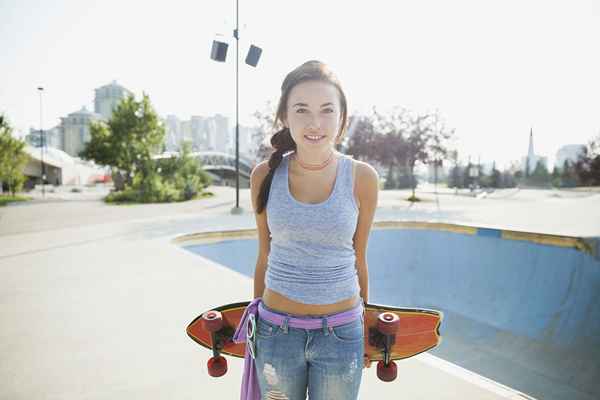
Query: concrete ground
x=95, y=299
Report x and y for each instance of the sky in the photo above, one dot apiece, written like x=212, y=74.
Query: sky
x=493, y=70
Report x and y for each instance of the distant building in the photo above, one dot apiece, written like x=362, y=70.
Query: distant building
x=186, y=130
x=172, y=136
x=76, y=130
x=204, y=133
x=197, y=132
x=60, y=168
x=73, y=133
x=488, y=167
x=245, y=140
x=569, y=152
x=221, y=133
x=214, y=133
x=210, y=143
x=532, y=159
x=108, y=97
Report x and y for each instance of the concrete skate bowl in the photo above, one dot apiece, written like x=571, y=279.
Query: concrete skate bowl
x=520, y=308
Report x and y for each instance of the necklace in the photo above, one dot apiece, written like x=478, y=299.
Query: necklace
x=314, y=167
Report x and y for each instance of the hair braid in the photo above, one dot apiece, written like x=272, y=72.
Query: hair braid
x=282, y=142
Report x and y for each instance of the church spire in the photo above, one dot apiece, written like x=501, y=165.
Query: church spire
x=530, y=153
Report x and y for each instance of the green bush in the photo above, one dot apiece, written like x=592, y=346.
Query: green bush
x=153, y=189
x=190, y=189
x=127, y=195
x=165, y=180
x=5, y=199
x=12, y=158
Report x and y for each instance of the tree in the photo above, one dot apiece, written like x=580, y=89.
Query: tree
x=480, y=179
x=185, y=172
x=455, y=174
x=493, y=180
x=568, y=176
x=439, y=146
x=508, y=179
x=540, y=175
x=496, y=177
x=263, y=130
x=518, y=176
x=389, y=148
x=427, y=139
x=556, y=181
x=587, y=167
x=12, y=158
x=397, y=141
x=362, y=139
x=468, y=175
x=128, y=140
x=372, y=138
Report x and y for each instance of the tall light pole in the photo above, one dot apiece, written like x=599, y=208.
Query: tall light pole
x=219, y=53
x=237, y=209
x=42, y=142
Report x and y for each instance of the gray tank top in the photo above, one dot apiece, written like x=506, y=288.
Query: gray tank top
x=312, y=257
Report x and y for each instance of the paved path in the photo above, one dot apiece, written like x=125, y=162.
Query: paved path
x=94, y=299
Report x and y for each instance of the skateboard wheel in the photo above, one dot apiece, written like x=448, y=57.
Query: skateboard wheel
x=388, y=323
x=213, y=321
x=217, y=366
x=387, y=373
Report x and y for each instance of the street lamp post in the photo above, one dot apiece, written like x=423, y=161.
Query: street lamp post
x=237, y=209
x=42, y=142
x=219, y=53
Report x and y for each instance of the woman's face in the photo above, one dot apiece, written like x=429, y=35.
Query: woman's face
x=313, y=109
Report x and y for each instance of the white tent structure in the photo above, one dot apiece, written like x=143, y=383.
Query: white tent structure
x=62, y=169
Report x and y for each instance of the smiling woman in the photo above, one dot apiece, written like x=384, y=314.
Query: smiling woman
x=312, y=247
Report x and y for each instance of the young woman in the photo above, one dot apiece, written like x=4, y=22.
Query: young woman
x=314, y=208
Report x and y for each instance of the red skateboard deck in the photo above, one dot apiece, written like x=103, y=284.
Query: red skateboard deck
x=391, y=333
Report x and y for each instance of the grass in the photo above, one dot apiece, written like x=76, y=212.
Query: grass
x=130, y=198
x=6, y=198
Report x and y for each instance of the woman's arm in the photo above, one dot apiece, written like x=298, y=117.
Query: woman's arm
x=264, y=235
x=367, y=186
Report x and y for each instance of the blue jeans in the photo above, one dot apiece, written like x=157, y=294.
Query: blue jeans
x=327, y=362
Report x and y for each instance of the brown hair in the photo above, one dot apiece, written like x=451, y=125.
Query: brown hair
x=282, y=140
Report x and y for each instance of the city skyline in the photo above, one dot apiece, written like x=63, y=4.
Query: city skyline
x=205, y=133
x=493, y=71
x=174, y=134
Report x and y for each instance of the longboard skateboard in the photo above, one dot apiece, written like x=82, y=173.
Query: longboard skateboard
x=391, y=333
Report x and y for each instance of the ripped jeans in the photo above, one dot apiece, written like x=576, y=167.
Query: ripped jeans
x=327, y=362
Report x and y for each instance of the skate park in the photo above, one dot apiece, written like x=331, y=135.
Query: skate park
x=96, y=298
x=519, y=307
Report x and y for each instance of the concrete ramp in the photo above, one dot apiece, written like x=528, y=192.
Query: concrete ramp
x=522, y=309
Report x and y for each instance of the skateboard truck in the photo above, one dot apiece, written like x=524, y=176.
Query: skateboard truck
x=213, y=322
x=384, y=337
